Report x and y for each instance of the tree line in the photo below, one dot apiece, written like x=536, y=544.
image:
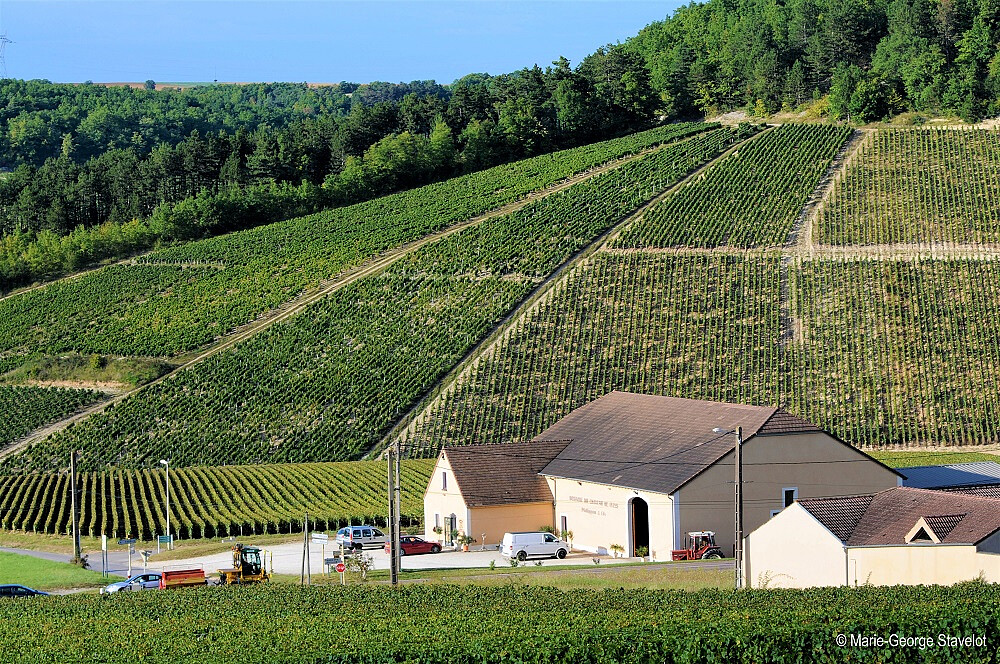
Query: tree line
x=184, y=164
x=866, y=59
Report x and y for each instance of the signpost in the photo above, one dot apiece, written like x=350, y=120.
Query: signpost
x=104, y=555
x=341, y=568
x=162, y=539
x=131, y=551
x=322, y=539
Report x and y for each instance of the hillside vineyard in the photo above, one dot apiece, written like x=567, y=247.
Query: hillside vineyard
x=211, y=502
x=328, y=383
x=882, y=345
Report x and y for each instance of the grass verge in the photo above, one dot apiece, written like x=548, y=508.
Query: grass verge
x=46, y=574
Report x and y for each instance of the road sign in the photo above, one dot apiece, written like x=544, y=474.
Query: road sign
x=123, y=542
x=320, y=538
x=163, y=539
x=341, y=568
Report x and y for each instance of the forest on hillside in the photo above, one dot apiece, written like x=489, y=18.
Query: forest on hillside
x=873, y=58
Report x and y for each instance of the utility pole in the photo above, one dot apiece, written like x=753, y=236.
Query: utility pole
x=739, y=499
x=739, y=507
x=3, y=56
x=170, y=543
x=74, y=506
x=391, y=523
x=396, y=542
x=305, y=549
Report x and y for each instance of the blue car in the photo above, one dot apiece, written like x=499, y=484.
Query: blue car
x=14, y=590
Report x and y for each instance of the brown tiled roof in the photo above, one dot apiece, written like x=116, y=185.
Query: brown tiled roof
x=981, y=490
x=502, y=474
x=840, y=515
x=891, y=514
x=655, y=443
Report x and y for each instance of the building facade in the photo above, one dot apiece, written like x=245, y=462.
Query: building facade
x=899, y=536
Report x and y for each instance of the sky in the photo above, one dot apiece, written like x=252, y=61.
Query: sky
x=315, y=41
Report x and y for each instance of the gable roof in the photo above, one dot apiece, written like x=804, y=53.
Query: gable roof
x=889, y=516
x=655, y=443
x=953, y=474
x=502, y=474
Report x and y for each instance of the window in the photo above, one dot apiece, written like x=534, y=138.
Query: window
x=444, y=481
x=549, y=537
x=366, y=532
x=563, y=527
x=775, y=513
x=437, y=520
x=789, y=495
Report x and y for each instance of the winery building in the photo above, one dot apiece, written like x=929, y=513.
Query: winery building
x=639, y=471
x=898, y=536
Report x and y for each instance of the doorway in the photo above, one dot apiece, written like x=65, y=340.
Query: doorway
x=639, y=511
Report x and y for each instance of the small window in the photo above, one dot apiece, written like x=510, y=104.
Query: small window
x=789, y=495
x=921, y=536
x=775, y=513
x=444, y=481
x=550, y=538
x=437, y=520
x=563, y=527
x=378, y=533
x=366, y=532
x=356, y=533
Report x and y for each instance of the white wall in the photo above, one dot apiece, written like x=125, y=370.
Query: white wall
x=599, y=516
x=443, y=502
x=793, y=550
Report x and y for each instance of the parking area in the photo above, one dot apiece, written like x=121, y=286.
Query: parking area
x=287, y=559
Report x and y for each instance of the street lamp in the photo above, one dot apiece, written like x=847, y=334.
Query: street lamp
x=166, y=462
x=739, y=499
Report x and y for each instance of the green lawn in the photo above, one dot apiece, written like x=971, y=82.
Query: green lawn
x=919, y=458
x=46, y=575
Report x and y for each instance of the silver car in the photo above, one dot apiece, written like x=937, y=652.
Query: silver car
x=358, y=537
x=149, y=581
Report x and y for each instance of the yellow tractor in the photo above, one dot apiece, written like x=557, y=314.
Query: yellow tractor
x=248, y=566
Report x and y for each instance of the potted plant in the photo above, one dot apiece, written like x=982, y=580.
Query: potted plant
x=567, y=536
x=454, y=538
x=641, y=551
x=465, y=541
x=617, y=549
x=437, y=530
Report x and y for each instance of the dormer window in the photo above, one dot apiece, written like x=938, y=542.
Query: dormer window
x=921, y=536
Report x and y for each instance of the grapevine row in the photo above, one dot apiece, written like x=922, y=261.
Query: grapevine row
x=880, y=353
x=210, y=501
x=750, y=198
x=158, y=309
x=918, y=186
x=327, y=384
x=24, y=409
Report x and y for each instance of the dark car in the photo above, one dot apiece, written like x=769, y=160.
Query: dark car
x=14, y=590
x=408, y=545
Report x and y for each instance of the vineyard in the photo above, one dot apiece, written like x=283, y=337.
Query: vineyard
x=698, y=326
x=445, y=623
x=327, y=384
x=917, y=186
x=211, y=502
x=23, y=409
x=182, y=298
x=750, y=198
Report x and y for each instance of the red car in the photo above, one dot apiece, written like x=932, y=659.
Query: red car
x=408, y=545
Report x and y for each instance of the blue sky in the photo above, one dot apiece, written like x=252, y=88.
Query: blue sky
x=70, y=41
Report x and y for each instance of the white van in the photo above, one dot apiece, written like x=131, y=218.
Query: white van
x=358, y=537
x=524, y=545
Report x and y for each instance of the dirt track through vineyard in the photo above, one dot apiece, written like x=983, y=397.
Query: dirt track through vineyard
x=299, y=303
x=542, y=294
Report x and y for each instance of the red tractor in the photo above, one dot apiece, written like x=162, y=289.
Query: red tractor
x=699, y=545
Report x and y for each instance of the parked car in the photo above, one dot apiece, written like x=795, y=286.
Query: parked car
x=15, y=590
x=525, y=545
x=409, y=545
x=149, y=581
x=358, y=537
